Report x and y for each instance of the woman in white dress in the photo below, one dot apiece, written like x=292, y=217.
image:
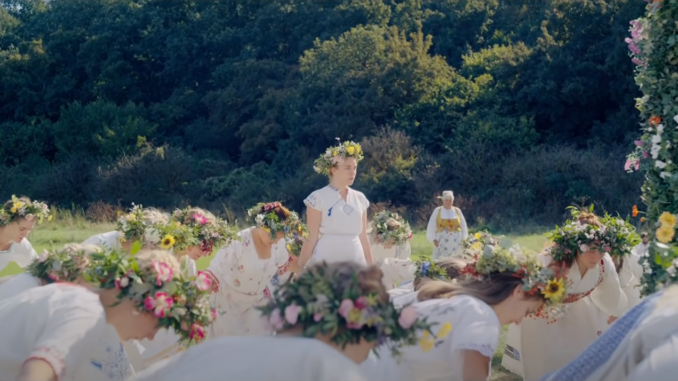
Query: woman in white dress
x=18, y=217
x=241, y=272
x=544, y=343
x=641, y=346
x=326, y=323
x=132, y=227
x=390, y=236
x=64, y=331
x=337, y=214
x=191, y=234
x=500, y=288
x=447, y=229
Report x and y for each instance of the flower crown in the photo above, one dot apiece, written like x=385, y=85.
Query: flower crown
x=340, y=152
x=428, y=269
x=616, y=237
x=208, y=234
x=295, y=241
x=536, y=279
x=171, y=236
x=324, y=303
x=63, y=265
x=475, y=243
x=263, y=216
x=22, y=207
x=389, y=228
x=132, y=224
x=179, y=303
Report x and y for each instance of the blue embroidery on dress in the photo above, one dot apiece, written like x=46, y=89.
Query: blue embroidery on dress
x=598, y=353
x=275, y=280
x=312, y=201
x=115, y=364
x=348, y=209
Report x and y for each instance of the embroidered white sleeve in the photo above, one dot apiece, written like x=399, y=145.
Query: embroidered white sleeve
x=486, y=350
x=314, y=201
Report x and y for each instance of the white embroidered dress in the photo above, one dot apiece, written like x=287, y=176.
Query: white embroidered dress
x=340, y=225
x=243, y=281
x=463, y=323
x=64, y=325
x=17, y=284
x=448, y=227
x=240, y=358
x=21, y=253
x=539, y=346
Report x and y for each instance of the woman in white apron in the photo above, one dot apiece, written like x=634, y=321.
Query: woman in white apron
x=132, y=227
x=241, y=272
x=337, y=214
x=390, y=236
x=447, y=229
x=544, y=342
x=325, y=324
x=18, y=217
x=500, y=288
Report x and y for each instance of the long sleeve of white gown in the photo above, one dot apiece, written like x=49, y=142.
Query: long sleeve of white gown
x=608, y=296
x=431, y=227
x=220, y=265
x=659, y=364
x=464, y=227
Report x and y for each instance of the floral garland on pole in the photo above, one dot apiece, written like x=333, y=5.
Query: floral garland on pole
x=654, y=51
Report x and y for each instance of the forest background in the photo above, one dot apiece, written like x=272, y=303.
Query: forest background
x=521, y=107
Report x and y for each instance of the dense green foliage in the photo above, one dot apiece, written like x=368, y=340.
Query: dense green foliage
x=520, y=107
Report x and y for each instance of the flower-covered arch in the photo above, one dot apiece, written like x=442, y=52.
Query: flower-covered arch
x=654, y=50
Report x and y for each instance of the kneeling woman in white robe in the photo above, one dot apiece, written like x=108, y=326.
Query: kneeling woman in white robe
x=326, y=323
x=641, y=346
x=241, y=272
x=18, y=217
x=501, y=288
x=69, y=332
x=191, y=234
x=390, y=236
x=132, y=227
x=544, y=343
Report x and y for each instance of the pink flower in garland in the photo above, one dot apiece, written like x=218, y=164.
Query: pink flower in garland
x=121, y=283
x=199, y=218
x=160, y=304
x=275, y=320
x=197, y=333
x=292, y=314
x=163, y=273
x=203, y=281
x=407, y=318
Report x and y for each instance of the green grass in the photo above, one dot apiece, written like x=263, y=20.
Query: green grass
x=76, y=229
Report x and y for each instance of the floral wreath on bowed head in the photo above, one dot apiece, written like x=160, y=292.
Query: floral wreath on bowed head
x=23, y=208
x=616, y=237
x=132, y=225
x=535, y=278
x=178, y=302
x=475, y=243
x=295, y=241
x=336, y=154
x=389, y=229
x=428, y=269
x=208, y=234
x=334, y=304
x=171, y=236
x=63, y=265
x=264, y=217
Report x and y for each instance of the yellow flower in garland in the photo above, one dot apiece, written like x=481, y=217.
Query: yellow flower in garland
x=350, y=150
x=16, y=206
x=478, y=236
x=668, y=220
x=426, y=342
x=167, y=242
x=554, y=290
x=665, y=234
x=477, y=246
x=444, y=331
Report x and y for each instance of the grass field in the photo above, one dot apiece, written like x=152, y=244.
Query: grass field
x=76, y=229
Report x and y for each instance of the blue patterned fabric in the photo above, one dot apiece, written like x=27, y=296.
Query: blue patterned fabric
x=598, y=353
x=112, y=361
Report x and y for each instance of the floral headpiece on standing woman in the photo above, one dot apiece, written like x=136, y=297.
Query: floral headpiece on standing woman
x=614, y=236
x=63, y=265
x=158, y=287
x=331, y=302
x=337, y=154
x=389, y=229
x=273, y=217
x=22, y=207
x=209, y=231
